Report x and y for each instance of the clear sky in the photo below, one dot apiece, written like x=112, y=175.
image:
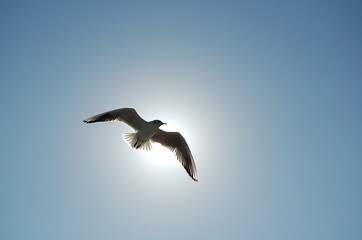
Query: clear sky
x=267, y=94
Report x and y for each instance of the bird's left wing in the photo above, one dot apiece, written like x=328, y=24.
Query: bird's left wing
x=126, y=115
x=175, y=142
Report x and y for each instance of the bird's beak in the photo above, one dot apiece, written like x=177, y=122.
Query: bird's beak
x=164, y=123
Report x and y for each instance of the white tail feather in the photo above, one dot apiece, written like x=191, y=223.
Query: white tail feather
x=133, y=140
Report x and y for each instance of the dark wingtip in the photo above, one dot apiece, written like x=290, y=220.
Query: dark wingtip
x=86, y=121
x=194, y=178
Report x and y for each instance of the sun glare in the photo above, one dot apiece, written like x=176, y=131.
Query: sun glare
x=161, y=156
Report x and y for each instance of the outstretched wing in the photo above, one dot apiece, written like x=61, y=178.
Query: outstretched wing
x=175, y=142
x=126, y=115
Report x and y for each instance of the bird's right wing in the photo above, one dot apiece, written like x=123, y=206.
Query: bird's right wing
x=126, y=115
x=175, y=142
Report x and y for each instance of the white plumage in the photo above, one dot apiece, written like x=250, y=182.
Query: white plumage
x=147, y=132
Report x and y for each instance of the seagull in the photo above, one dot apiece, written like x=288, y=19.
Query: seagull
x=147, y=132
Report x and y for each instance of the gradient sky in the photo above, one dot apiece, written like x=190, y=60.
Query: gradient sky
x=267, y=94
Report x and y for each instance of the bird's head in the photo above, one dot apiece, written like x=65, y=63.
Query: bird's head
x=158, y=123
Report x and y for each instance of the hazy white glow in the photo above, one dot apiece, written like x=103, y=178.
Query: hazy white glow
x=161, y=156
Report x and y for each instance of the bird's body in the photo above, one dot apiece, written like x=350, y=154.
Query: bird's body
x=141, y=139
x=147, y=132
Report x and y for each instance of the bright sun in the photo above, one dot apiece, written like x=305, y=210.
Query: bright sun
x=160, y=155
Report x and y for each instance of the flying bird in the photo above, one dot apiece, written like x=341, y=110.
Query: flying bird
x=147, y=132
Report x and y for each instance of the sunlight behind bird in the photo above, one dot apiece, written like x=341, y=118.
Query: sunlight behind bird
x=148, y=132
x=161, y=156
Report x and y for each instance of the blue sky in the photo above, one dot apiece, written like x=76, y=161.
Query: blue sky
x=267, y=94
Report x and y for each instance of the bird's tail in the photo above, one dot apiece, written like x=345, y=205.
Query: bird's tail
x=133, y=140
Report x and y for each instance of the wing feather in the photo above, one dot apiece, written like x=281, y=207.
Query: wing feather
x=126, y=115
x=175, y=142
